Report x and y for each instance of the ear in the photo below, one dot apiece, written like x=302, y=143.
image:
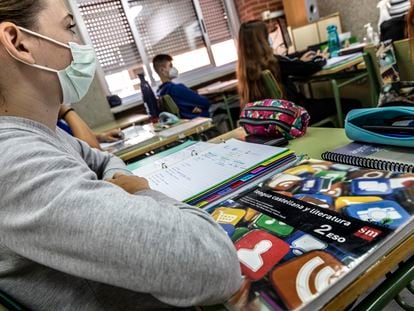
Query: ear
x=16, y=42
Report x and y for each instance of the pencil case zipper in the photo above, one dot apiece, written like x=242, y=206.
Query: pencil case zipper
x=252, y=121
x=282, y=110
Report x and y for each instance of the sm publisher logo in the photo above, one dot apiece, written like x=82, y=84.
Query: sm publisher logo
x=367, y=233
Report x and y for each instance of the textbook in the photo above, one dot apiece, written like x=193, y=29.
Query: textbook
x=305, y=234
x=388, y=158
x=204, y=172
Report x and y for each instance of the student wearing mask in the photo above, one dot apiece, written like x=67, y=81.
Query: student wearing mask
x=256, y=55
x=189, y=103
x=77, y=231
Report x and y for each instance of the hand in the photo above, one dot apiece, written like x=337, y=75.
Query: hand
x=197, y=110
x=308, y=56
x=111, y=136
x=130, y=184
x=324, y=53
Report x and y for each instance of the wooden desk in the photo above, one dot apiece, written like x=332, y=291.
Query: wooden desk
x=223, y=88
x=348, y=289
x=218, y=87
x=373, y=275
x=122, y=123
x=316, y=141
x=344, y=66
x=184, y=129
x=362, y=66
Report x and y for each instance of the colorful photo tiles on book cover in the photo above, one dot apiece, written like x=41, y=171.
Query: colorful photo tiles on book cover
x=300, y=231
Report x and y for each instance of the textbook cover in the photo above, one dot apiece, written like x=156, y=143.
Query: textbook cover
x=302, y=231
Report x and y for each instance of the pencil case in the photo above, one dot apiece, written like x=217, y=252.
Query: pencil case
x=387, y=119
x=274, y=118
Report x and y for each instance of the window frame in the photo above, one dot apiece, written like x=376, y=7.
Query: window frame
x=190, y=78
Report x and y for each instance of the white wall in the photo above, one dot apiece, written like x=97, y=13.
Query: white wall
x=354, y=14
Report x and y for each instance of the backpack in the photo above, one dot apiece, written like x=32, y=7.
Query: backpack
x=393, y=29
x=274, y=118
x=399, y=93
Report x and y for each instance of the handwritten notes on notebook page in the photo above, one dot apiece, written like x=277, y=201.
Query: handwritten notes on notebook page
x=193, y=172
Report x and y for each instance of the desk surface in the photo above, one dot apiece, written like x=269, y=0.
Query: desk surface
x=122, y=123
x=316, y=141
x=339, y=68
x=218, y=87
x=182, y=130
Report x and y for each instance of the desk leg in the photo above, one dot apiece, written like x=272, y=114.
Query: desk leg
x=374, y=95
x=310, y=90
x=337, y=96
x=226, y=105
x=390, y=289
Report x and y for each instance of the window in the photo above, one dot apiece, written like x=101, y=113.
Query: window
x=172, y=27
x=216, y=22
x=114, y=43
x=127, y=34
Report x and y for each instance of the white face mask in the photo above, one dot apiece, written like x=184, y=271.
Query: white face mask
x=173, y=73
x=75, y=79
x=269, y=39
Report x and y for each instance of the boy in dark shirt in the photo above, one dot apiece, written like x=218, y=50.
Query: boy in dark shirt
x=190, y=103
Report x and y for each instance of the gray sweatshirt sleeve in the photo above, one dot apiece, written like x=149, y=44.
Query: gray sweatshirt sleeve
x=104, y=164
x=57, y=213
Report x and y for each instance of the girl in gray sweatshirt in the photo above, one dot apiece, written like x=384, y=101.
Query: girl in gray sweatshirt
x=76, y=231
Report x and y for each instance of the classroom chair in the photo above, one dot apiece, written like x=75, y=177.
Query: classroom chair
x=272, y=87
x=274, y=90
x=169, y=105
x=7, y=303
x=405, y=60
x=405, y=65
x=390, y=289
x=371, y=62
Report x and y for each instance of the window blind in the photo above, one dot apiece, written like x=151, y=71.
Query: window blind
x=215, y=19
x=110, y=33
x=168, y=26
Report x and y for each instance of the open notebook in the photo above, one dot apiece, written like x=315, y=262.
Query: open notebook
x=305, y=234
x=202, y=172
